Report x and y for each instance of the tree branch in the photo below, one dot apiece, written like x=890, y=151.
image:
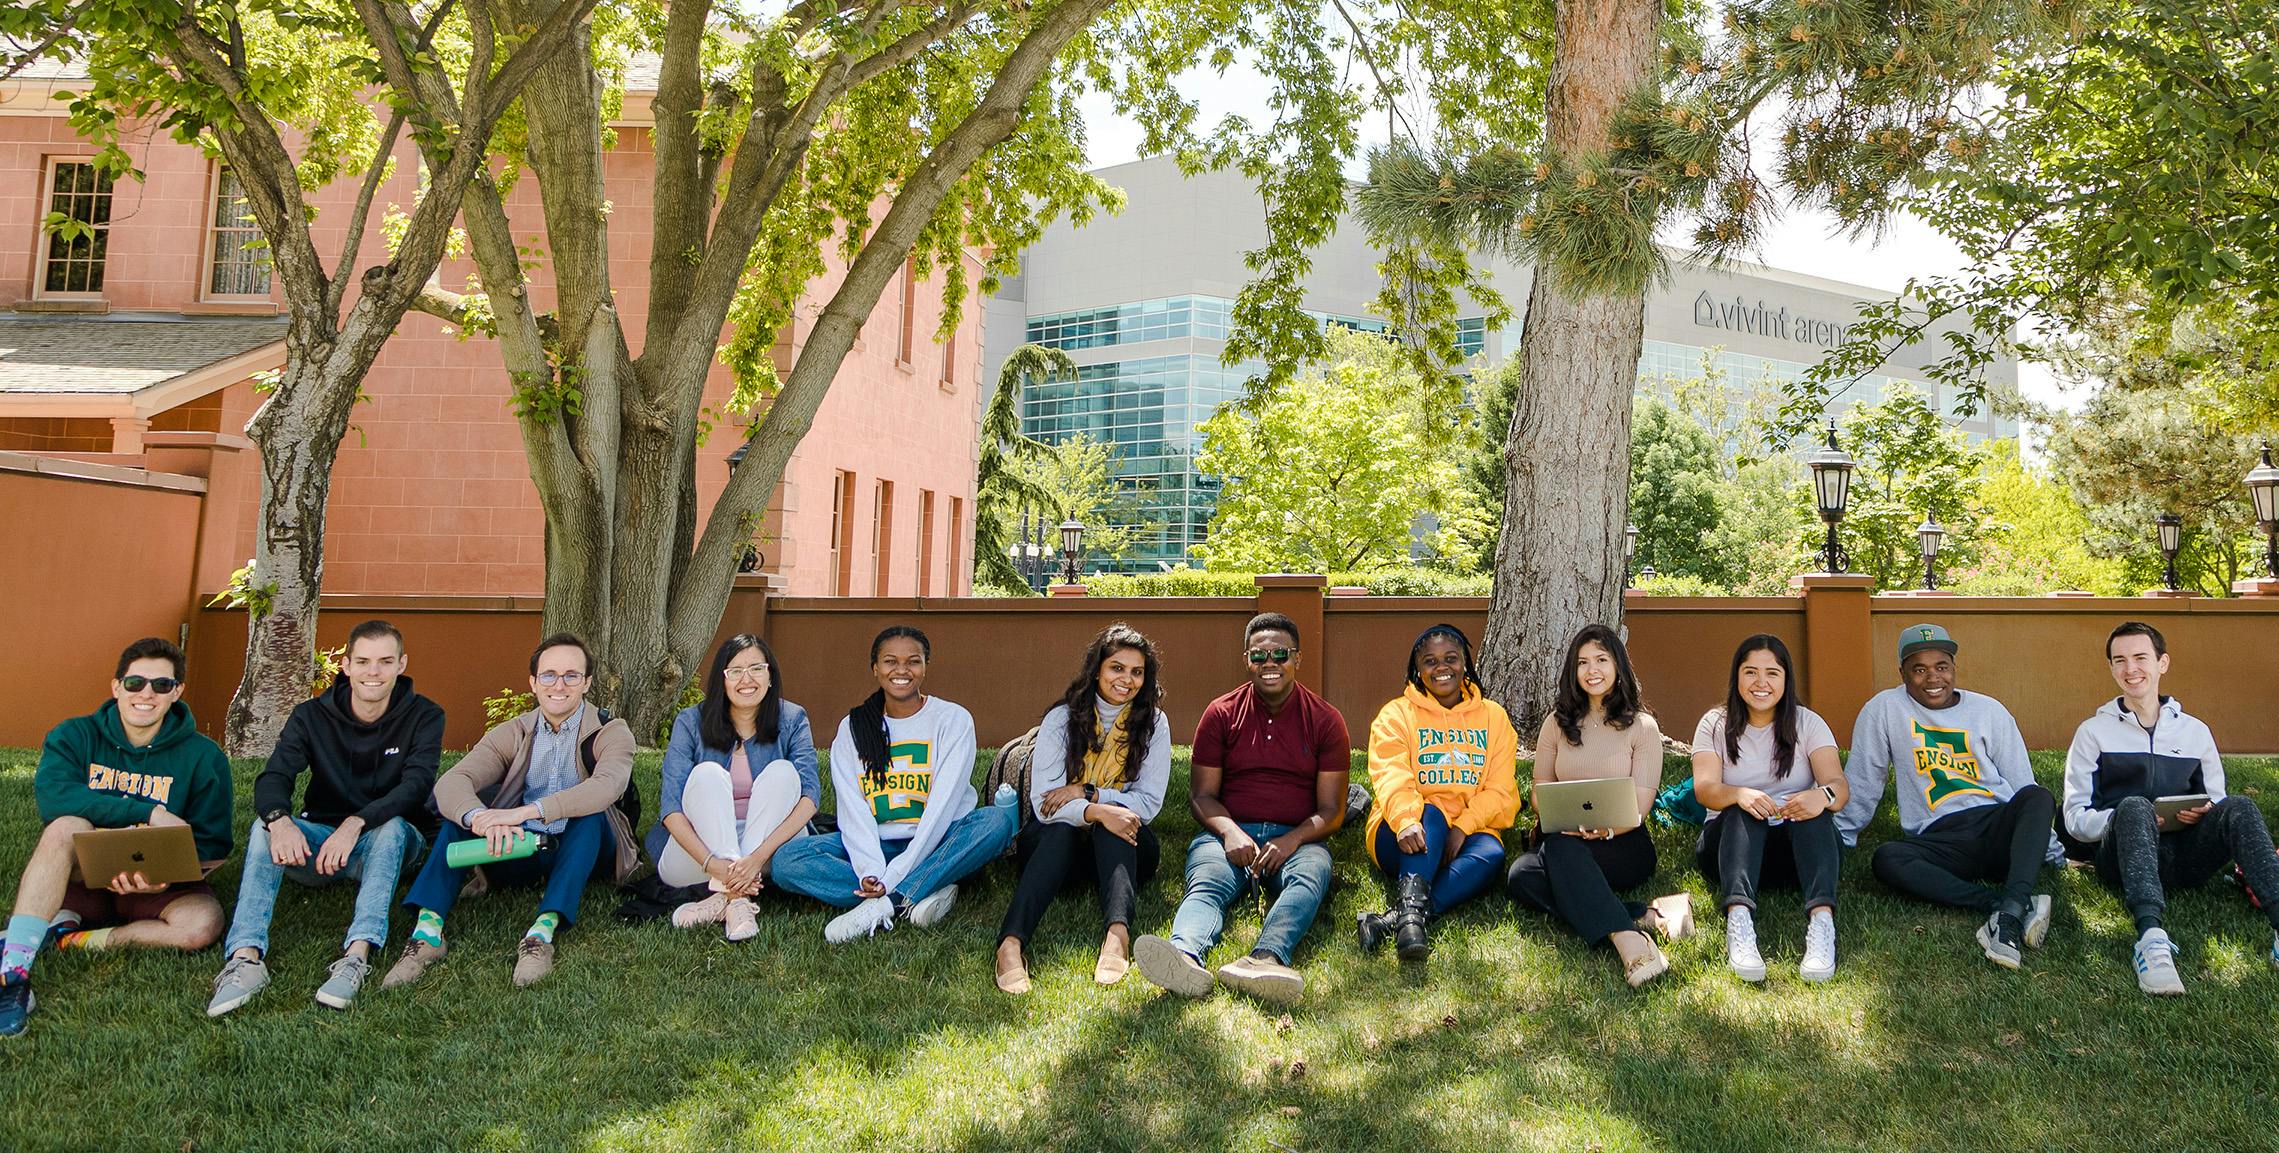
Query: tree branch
x=338, y=288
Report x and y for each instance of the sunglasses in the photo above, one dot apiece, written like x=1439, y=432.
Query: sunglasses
x=571, y=679
x=1270, y=656
x=159, y=685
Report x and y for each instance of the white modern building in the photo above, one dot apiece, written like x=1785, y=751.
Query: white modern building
x=1140, y=300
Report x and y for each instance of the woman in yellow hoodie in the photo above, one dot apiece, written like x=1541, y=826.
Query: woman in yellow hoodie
x=1442, y=763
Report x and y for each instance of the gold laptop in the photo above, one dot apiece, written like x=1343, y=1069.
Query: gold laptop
x=163, y=854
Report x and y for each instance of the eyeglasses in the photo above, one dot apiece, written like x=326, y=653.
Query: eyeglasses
x=571, y=679
x=159, y=685
x=745, y=673
x=1270, y=656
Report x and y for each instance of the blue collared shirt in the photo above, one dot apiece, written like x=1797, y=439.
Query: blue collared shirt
x=553, y=767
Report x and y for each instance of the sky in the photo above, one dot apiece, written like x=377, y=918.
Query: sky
x=1802, y=240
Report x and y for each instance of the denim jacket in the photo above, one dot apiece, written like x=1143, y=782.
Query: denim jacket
x=686, y=750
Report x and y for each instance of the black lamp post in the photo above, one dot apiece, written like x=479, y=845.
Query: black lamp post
x=2263, y=488
x=1831, y=487
x=1929, y=535
x=2170, y=527
x=1071, y=547
x=1629, y=551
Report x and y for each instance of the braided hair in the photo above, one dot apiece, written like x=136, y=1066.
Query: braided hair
x=866, y=722
x=1454, y=636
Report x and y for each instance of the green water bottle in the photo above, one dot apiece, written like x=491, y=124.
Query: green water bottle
x=477, y=850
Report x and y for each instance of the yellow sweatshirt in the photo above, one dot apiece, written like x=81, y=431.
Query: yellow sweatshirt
x=1462, y=760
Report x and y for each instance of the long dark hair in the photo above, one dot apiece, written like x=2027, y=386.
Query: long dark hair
x=1455, y=635
x=713, y=723
x=866, y=722
x=1784, y=710
x=1573, y=704
x=1083, y=695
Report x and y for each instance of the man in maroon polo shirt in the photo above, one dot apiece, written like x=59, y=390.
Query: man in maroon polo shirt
x=1269, y=785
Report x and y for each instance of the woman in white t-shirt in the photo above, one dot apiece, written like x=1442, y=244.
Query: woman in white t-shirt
x=1766, y=768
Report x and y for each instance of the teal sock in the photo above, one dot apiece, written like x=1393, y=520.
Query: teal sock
x=543, y=927
x=24, y=937
x=429, y=928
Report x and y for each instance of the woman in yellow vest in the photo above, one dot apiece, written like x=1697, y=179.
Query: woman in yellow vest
x=1097, y=774
x=1443, y=765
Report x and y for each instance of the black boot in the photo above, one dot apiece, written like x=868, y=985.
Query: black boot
x=1412, y=904
x=1373, y=929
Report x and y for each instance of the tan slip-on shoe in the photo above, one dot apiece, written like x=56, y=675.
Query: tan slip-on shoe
x=412, y=965
x=533, y=959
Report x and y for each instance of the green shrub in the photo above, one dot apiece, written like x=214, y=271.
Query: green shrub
x=1678, y=585
x=1186, y=582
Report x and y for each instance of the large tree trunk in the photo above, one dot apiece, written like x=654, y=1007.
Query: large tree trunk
x=298, y=432
x=1567, y=456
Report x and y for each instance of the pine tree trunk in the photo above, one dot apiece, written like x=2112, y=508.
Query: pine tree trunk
x=1567, y=455
x=297, y=442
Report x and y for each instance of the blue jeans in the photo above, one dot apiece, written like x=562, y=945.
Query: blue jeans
x=585, y=847
x=817, y=866
x=1477, y=864
x=374, y=864
x=1297, y=890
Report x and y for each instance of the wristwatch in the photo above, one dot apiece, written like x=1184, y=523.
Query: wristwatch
x=271, y=817
x=1091, y=793
x=1829, y=791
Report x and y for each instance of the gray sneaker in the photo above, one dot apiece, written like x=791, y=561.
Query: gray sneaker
x=348, y=973
x=238, y=981
x=1166, y=966
x=2002, y=939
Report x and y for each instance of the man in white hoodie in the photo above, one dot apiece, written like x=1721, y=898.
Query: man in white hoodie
x=2136, y=749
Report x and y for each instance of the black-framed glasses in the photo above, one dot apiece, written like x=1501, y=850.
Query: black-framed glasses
x=159, y=685
x=1270, y=656
x=571, y=679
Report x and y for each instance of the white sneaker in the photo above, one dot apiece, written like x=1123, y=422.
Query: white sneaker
x=1741, y=953
x=934, y=907
x=2038, y=921
x=861, y=921
x=2156, y=965
x=1819, y=962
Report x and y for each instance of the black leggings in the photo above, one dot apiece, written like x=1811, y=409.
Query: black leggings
x=1739, y=854
x=1575, y=880
x=1946, y=862
x=1054, y=857
x=2145, y=862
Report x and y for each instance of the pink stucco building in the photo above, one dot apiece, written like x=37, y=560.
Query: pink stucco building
x=134, y=340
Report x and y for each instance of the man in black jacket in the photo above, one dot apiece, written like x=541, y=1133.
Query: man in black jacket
x=370, y=746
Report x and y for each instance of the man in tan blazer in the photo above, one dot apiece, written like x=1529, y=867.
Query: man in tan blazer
x=557, y=772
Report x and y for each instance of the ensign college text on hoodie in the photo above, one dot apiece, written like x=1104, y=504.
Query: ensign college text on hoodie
x=88, y=769
x=1462, y=761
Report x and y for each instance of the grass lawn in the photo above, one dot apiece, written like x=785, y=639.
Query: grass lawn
x=1515, y=1036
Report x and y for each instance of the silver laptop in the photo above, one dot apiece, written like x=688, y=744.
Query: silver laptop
x=1572, y=806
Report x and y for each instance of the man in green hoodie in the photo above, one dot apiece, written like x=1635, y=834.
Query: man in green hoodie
x=138, y=760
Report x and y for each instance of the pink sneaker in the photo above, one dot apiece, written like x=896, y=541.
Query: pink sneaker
x=708, y=911
x=743, y=920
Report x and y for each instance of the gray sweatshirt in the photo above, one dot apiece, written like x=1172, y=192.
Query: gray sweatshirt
x=1948, y=760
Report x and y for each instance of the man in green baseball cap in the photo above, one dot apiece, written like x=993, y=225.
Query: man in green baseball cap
x=1973, y=816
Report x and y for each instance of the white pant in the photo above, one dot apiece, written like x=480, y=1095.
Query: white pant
x=709, y=803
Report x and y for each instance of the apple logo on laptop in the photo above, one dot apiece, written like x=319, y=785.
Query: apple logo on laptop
x=1588, y=805
x=137, y=856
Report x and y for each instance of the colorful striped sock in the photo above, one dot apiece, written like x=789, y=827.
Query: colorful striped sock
x=429, y=928
x=543, y=927
x=85, y=939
